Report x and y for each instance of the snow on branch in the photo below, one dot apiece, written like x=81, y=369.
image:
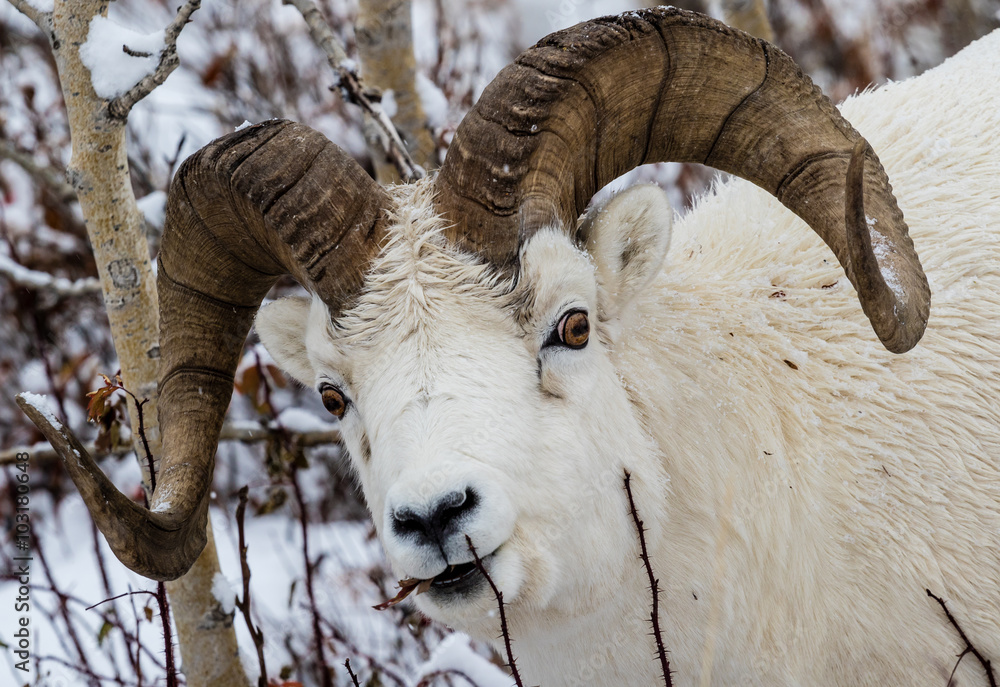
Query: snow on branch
x=353, y=89
x=38, y=11
x=36, y=280
x=168, y=61
x=243, y=432
x=51, y=178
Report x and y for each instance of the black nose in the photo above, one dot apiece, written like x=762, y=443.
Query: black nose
x=437, y=522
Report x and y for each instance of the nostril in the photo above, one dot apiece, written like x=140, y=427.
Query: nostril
x=405, y=521
x=441, y=517
x=452, y=507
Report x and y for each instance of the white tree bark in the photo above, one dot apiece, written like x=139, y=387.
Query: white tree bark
x=384, y=32
x=99, y=173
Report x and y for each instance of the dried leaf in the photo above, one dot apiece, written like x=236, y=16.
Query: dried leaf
x=406, y=587
x=98, y=405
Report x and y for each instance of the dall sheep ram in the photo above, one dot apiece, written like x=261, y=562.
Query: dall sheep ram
x=497, y=364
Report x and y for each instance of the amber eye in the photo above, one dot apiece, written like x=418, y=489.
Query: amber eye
x=334, y=400
x=574, y=329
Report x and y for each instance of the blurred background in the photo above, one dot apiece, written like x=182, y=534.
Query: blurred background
x=248, y=61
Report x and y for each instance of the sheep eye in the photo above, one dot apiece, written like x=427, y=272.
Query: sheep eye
x=573, y=329
x=334, y=400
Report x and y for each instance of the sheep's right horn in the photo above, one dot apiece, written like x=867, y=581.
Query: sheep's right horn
x=272, y=199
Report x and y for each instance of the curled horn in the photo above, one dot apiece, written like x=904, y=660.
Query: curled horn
x=590, y=103
x=273, y=199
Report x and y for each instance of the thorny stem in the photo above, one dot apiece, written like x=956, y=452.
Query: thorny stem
x=969, y=646
x=503, y=615
x=354, y=91
x=654, y=584
x=142, y=432
x=354, y=678
x=244, y=603
x=325, y=674
x=168, y=642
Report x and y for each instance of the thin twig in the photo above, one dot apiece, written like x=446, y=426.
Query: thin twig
x=64, y=612
x=503, y=615
x=326, y=675
x=354, y=678
x=248, y=433
x=354, y=91
x=120, y=596
x=122, y=105
x=49, y=177
x=142, y=431
x=244, y=603
x=654, y=584
x=969, y=646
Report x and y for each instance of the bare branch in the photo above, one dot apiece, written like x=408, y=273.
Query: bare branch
x=244, y=432
x=654, y=584
x=354, y=91
x=36, y=280
x=970, y=648
x=122, y=105
x=354, y=678
x=243, y=603
x=46, y=175
x=43, y=20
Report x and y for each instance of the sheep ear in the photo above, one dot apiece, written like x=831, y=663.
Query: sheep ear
x=282, y=327
x=628, y=237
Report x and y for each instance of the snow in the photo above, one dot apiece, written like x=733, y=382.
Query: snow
x=224, y=592
x=40, y=403
x=434, y=101
x=454, y=654
x=153, y=206
x=112, y=70
x=42, y=5
x=244, y=125
x=302, y=421
x=389, y=103
x=33, y=278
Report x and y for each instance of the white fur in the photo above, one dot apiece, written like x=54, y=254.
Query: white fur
x=801, y=486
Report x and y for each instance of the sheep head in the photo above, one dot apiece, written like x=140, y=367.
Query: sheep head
x=496, y=236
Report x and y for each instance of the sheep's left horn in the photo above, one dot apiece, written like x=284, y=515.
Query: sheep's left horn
x=588, y=104
x=273, y=199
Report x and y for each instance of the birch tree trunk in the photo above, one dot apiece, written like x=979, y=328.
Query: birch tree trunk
x=384, y=33
x=98, y=171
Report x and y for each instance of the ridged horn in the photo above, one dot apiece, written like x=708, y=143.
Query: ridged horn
x=588, y=104
x=272, y=199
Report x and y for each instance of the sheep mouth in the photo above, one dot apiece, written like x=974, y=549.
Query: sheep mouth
x=454, y=575
x=462, y=579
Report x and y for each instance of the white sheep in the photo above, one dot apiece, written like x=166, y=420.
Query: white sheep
x=801, y=486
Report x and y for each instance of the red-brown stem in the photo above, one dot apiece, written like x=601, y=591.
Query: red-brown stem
x=654, y=584
x=969, y=646
x=326, y=674
x=503, y=615
x=244, y=603
x=168, y=642
x=142, y=432
x=354, y=678
x=64, y=612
